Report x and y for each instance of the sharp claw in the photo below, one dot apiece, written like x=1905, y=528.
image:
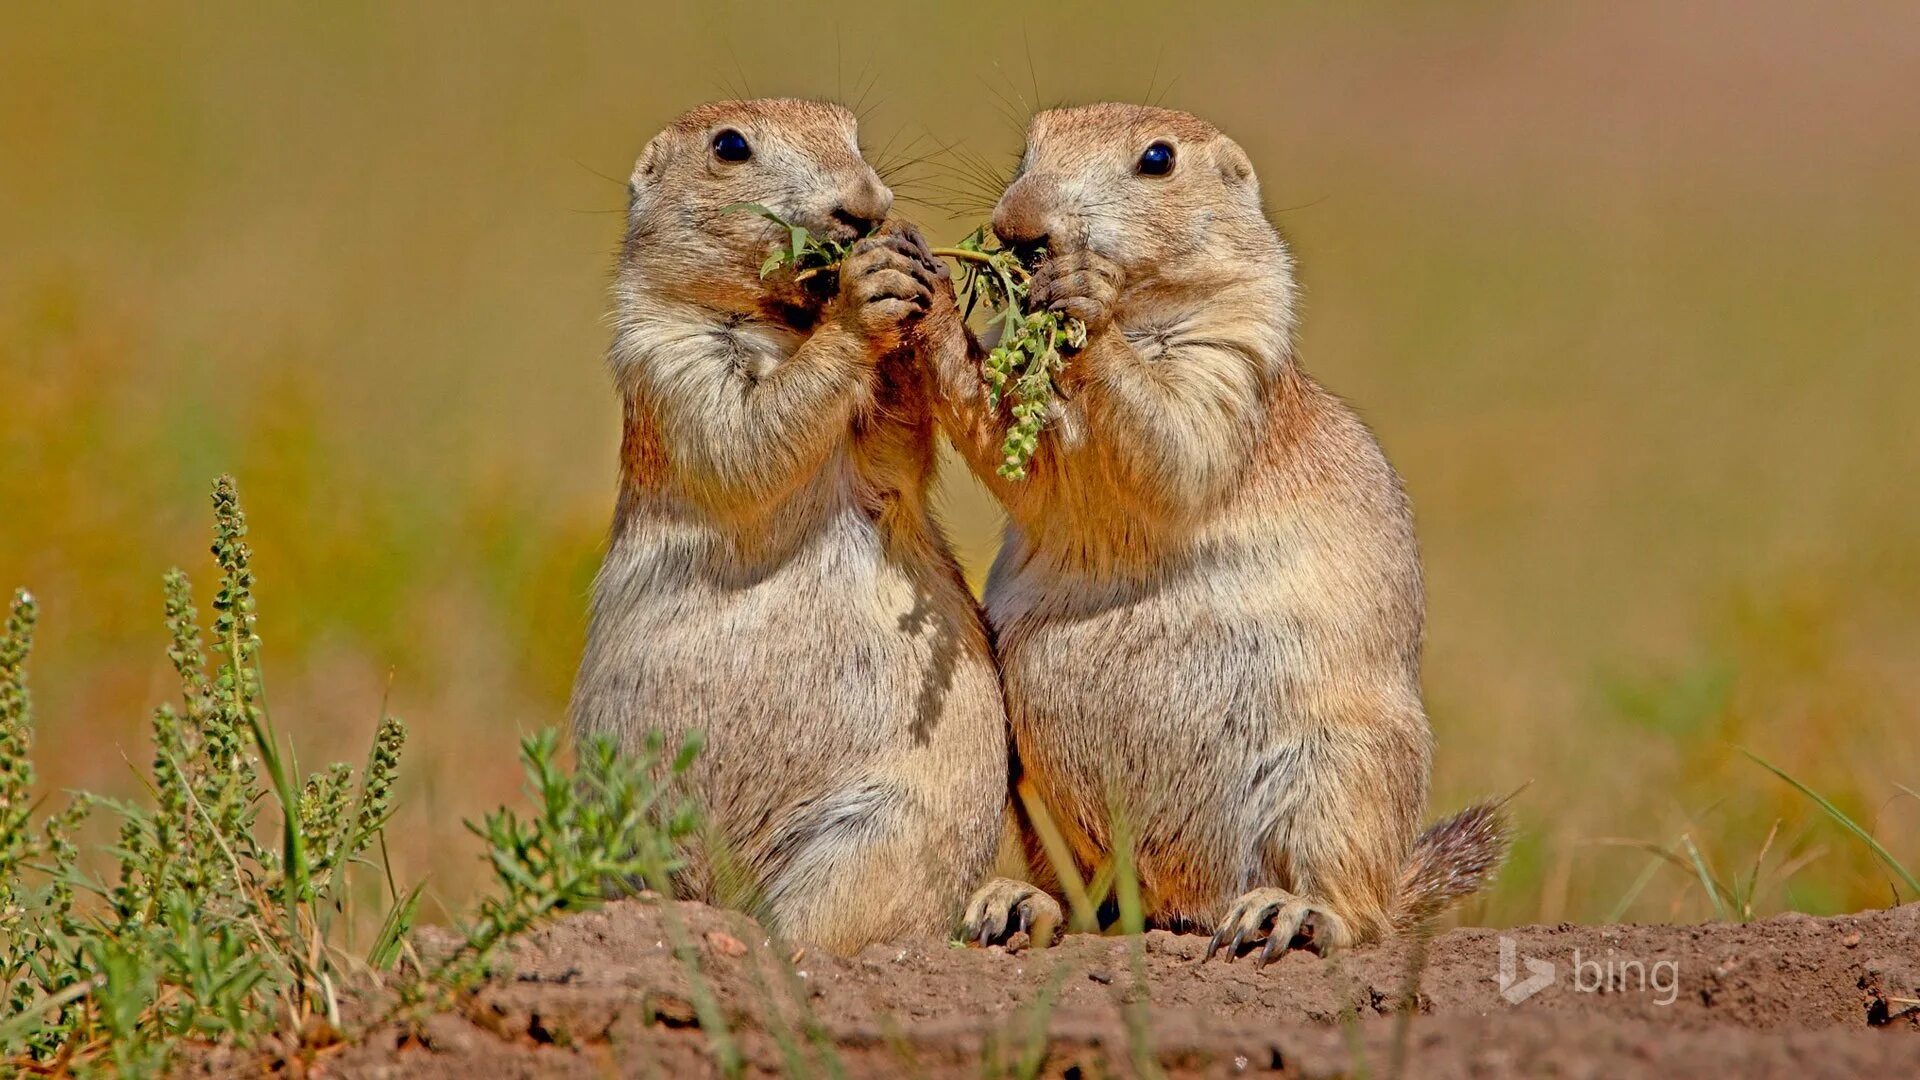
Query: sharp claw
x=1213, y=944
x=994, y=929
x=1233, y=950
x=1271, y=952
x=1309, y=930
x=1026, y=919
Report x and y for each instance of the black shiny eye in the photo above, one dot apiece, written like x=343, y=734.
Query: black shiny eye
x=1157, y=160
x=730, y=145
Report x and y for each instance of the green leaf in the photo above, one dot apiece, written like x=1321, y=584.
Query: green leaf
x=689, y=750
x=760, y=209
x=31, y=1019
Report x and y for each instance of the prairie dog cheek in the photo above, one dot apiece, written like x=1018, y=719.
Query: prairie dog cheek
x=1071, y=225
x=1107, y=236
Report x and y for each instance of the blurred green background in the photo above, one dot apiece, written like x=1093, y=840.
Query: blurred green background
x=1631, y=293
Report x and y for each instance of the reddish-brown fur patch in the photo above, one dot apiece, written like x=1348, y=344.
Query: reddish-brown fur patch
x=643, y=457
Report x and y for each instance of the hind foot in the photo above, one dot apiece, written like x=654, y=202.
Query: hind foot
x=1004, y=907
x=1284, y=920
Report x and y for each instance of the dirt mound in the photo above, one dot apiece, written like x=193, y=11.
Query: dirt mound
x=603, y=994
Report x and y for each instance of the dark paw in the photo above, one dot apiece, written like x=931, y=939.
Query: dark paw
x=1078, y=284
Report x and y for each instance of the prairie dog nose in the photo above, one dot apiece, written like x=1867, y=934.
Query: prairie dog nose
x=1025, y=214
x=859, y=223
x=863, y=206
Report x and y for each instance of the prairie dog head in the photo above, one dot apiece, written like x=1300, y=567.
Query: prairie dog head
x=800, y=159
x=1162, y=193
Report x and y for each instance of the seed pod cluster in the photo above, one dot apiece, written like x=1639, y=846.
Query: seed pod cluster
x=1021, y=366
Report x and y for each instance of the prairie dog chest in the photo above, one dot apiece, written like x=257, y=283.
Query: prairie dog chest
x=1142, y=655
x=827, y=580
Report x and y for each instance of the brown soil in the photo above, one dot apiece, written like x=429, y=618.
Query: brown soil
x=602, y=994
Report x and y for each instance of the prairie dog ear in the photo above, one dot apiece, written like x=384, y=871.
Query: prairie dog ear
x=1235, y=167
x=645, y=169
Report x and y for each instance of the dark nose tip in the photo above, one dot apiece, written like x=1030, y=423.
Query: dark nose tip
x=1019, y=232
x=1029, y=250
x=1023, y=219
x=860, y=223
x=1026, y=243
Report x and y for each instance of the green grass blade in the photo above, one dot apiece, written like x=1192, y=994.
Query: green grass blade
x=1633, y=891
x=1133, y=923
x=1836, y=814
x=1039, y=1023
x=294, y=847
x=399, y=920
x=1706, y=877
x=713, y=1022
x=1082, y=913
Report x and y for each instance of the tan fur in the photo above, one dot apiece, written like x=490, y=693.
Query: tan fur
x=1208, y=607
x=773, y=578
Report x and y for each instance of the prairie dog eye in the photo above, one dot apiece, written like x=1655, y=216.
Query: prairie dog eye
x=1156, y=160
x=730, y=145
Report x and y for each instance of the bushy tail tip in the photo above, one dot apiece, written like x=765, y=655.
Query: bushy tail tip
x=1451, y=859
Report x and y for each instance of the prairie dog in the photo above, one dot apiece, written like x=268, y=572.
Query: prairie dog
x=773, y=578
x=1208, y=607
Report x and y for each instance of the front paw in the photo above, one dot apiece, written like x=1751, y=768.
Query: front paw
x=887, y=284
x=1080, y=284
x=1284, y=921
x=1004, y=907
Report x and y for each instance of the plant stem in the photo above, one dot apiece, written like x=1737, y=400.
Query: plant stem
x=964, y=254
x=954, y=253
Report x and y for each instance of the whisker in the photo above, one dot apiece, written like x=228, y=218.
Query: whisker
x=899, y=168
x=1016, y=117
x=621, y=184
x=961, y=182
x=978, y=196
x=1033, y=73
x=1168, y=89
x=952, y=209
x=745, y=84
x=975, y=198
x=891, y=162
x=1302, y=206
x=872, y=79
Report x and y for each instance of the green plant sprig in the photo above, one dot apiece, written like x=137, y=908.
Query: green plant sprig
x=807, y=254
x=206, y=932
x=1019, y=369
x=223, y=912
x=1021, y=366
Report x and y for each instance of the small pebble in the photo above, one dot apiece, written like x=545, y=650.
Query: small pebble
x=725, y=944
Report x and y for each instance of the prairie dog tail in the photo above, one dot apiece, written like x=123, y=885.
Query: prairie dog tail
x=1451, y=859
